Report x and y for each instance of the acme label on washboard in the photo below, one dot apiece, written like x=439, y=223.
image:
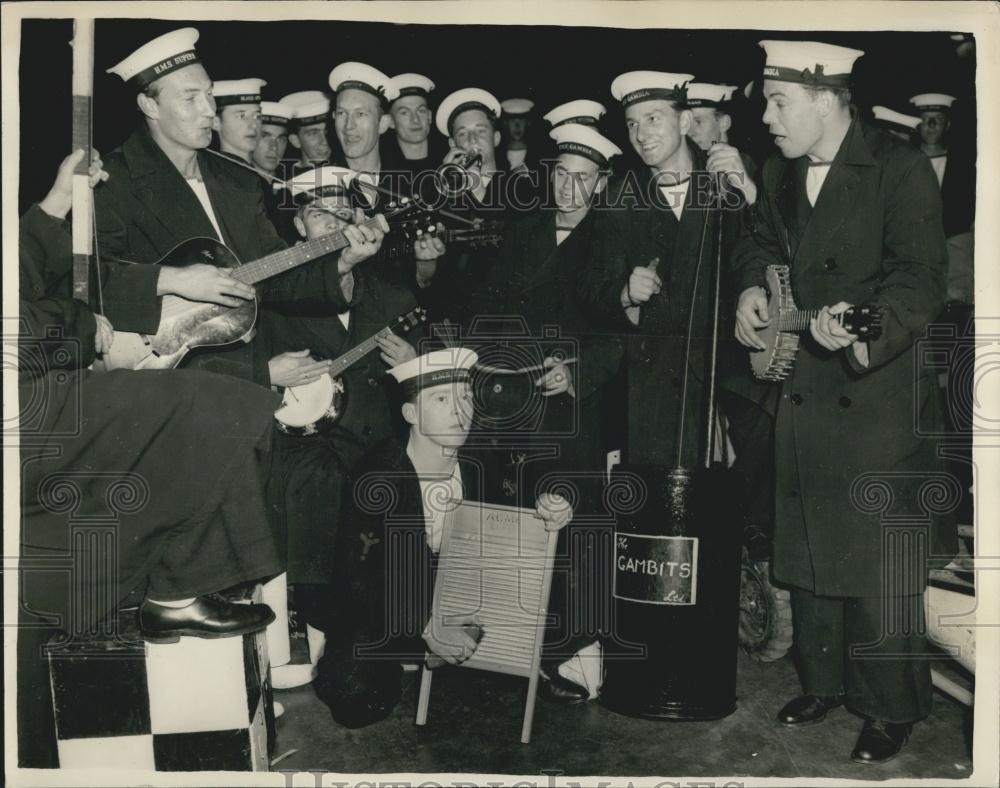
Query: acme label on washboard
x=656, y=570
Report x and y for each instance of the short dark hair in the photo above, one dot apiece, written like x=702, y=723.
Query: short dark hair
x=152, y=90
x=843, y=95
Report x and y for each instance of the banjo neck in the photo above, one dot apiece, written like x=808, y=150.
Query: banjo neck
x=342, y=363
x=798, y=319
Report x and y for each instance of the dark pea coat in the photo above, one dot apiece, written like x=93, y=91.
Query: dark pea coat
x=852, y=445
x=666, y=415
x=146, y=208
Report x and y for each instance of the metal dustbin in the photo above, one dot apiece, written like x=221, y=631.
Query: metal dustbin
x=672, y=647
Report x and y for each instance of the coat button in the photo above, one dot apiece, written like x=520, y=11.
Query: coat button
x=796, y=399
x=372, y=382
x=845, y=402
x=367, y=430
x=830, y=264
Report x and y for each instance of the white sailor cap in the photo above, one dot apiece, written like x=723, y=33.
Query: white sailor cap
x=516, y=106
x=582, y=111
x=585, y=141
x=158, y=58
x=360, y=76
x=275, y=113
x=321, y=182
x=437, y=368
x=412, y=85
x=308, y=106
x=928, y=102
x=709, y=94
x=462, y=100
x=237, y=91
x=635, y=86
x=895, y=119
x=809, y=63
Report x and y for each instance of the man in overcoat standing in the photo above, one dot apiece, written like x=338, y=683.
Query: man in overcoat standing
x=856, y=215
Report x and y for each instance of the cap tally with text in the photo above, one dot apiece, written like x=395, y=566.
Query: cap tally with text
x=412, y=85
x=635, y=86
x=360, y=76
x=320, y=182
x=513, y=107
x=895, y=120
x=584, y=141
x=159, y=57
x=809, y=63
x=228, y=92
x=932, y=102
x=708, y=94
x=461, y=101
x=275, y=113
x=308, y=106
x=582, y=111
x=437, y=368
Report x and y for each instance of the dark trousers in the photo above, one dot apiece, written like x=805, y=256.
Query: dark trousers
x=872, y=650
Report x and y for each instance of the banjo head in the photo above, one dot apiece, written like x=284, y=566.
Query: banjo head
x=306, y=409
x=776, y=360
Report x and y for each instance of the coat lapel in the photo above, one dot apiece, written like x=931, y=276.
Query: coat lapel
x=540, y=264
x=228, y=203
x=164, y=194
x=837, y=198
x=791, y=186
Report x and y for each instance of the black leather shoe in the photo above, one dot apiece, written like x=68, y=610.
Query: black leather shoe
x=561, y=690
x=807, y=709
x=880, y=741
x=209, y=616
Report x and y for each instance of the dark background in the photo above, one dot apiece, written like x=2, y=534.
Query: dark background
x=547, y=64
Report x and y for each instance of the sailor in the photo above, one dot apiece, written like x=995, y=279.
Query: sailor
x=360, y=118
x=584, y=112
x=237, y=116
x=308, y=128
x=822, y=212
x=381, y=617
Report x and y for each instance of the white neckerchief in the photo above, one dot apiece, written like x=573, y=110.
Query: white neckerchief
x=438, y=497
x=516, y=157
x=939, y=163
x=815, y=177
x=675, y=195
x=198, y=187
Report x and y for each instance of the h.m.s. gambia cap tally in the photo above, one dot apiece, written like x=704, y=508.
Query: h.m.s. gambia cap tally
x=585, y=141
x=809, y=63
x=635, y=86
x=437, y=368
x=157, y=58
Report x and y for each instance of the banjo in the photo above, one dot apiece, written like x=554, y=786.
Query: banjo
x=775, y=362
x=314, y=407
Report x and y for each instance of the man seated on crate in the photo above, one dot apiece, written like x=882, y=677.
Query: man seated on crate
x=389, y=539
x=167, y=462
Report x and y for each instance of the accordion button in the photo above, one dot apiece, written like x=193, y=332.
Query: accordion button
x=796, y=399
x=845, y=402
x=830, y=264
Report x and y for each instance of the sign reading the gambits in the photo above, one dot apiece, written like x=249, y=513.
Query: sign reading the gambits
x=657, y=570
